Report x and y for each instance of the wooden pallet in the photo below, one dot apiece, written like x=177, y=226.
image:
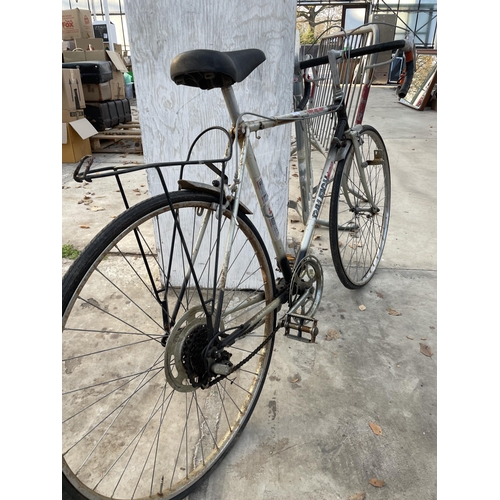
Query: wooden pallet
x=125, y=137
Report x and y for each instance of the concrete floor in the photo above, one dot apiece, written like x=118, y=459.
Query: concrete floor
x=310, y=435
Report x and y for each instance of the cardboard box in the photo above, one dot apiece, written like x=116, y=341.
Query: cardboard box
x=68, y=45
x=76, y=140
x=77, y=23
x=75, y=55
x=117, y=86
x=89, y=44
x=93, y=47
x=86, y=49
x=97, y=92
x=118, y=82
x=72, y=90
x=117, y=60
x=70, y=115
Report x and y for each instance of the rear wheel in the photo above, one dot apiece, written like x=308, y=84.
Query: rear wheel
x=358, y=228
x=141, y=416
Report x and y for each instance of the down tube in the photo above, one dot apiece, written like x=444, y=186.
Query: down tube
x=318, y=202
x=326, y=175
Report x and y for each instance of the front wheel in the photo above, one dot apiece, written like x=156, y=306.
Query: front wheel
x=140, y=417
x=360, y=210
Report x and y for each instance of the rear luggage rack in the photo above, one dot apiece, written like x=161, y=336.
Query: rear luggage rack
x=86, y=171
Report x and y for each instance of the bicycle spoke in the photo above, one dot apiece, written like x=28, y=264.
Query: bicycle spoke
x=124, y=346
x=96, y=307
x=120, y=405
x=139, y=437
x=101, y=399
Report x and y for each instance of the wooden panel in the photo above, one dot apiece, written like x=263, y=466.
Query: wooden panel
x=171, y=116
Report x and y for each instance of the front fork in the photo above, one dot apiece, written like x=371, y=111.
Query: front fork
x=356, y=139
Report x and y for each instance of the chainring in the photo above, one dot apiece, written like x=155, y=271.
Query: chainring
x=306, y=287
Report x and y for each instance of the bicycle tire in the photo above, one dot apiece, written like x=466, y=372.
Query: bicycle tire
x=133, y=426
x=357, y=234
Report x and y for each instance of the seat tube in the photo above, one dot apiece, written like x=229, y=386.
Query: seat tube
x=258, y=184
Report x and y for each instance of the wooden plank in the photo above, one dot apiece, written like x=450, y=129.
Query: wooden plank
x=105, y=143
x=129, y=125
x=119, y=131
x=117, y=137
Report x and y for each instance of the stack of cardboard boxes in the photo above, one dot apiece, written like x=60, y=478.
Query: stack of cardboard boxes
x=76, y=129
x=93, y=85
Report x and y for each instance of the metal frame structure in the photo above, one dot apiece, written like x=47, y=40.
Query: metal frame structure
x=333, y=3
x=419, y=8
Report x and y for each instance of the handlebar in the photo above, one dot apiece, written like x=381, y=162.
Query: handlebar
x=350, y=54
x=407, y=46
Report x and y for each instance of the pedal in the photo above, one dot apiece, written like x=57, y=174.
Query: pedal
x=296, y=322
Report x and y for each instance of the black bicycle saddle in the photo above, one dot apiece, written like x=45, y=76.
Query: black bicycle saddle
x=209, y=69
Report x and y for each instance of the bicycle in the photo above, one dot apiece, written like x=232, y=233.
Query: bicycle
x=171, y=312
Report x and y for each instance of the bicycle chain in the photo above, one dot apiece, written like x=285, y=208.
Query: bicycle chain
x=241, y=363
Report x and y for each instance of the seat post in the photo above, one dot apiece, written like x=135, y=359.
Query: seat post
x=231, y=103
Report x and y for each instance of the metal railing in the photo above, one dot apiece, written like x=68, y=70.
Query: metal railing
x=355, y=77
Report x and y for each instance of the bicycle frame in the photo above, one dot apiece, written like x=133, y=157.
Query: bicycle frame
x=340, y=143
x=247, y=159
x=248, y=162
x=342, y=139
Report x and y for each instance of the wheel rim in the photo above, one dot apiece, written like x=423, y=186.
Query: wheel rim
x=361, y=230
x=128, y=432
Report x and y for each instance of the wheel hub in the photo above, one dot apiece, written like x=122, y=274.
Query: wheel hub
x=181, y=342
x=185, y=356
